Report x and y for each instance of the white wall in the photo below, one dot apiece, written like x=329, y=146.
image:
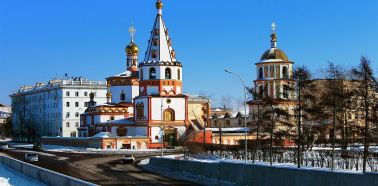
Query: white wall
x=130, y=92
x=177, y=104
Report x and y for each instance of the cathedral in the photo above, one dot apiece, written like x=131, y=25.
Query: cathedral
x=145, y=100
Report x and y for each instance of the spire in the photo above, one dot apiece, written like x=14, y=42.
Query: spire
x=273, y=36
x=160, y=44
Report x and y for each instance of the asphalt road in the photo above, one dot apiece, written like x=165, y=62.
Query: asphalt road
x=101, y=169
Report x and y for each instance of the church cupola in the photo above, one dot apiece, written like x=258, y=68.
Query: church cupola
x=274, y=72
x=132, y=52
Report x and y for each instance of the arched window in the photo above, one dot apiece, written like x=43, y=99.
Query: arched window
x=152, y=73
x=178, y=74
x=285, y=72
x=260, y=73
x=169, y=115
x=123, y=96
x=168, y=73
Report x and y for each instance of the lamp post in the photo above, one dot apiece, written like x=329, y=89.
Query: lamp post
x=162, y=127
x=245, y=110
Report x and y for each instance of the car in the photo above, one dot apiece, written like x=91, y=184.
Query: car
x=31, y=157
x=37, y=146
x=3, y=146
x=128, y=158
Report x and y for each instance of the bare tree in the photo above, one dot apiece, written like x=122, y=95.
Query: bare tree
x=365, y=91
x=302, y=79
x=332, y=99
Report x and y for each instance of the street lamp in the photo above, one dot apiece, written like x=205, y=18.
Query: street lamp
x=162, y=127
x=245, y=110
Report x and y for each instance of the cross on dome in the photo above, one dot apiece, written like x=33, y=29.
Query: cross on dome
x=132, y=31
x=274, y=27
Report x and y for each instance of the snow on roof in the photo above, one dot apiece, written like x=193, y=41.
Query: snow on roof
x=102, y=135
x=229, y=129
x=125, y=121
x=126, y=73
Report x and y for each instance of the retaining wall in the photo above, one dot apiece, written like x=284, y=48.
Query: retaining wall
x=43, y=175
x=249, y=174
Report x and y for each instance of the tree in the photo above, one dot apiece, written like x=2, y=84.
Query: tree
x=276, y=121
x=253, y=94
x=365, y=92
x=333, y=98
x=302, y=79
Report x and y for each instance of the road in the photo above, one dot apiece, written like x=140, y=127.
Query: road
x=101, y=169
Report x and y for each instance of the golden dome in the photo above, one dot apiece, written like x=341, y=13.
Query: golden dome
x=132, y=48
x=159, y=4
x=108, y=95
x=274, y=53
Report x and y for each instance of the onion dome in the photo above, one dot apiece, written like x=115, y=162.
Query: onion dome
x=132, y=48
x=274, y=53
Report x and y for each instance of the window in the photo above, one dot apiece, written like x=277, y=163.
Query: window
x=169, y=115
x=285, y=72
x=140, y=112
x=228, y=122
x=73, y=134
x=67, y=104
x=123, y=96
x=167, y=73
x=153, y=54
x=67, y=114
x=260, y=73
x=77, y=94
x=76, y=124
x=111, y=118
x=155, y=42
x=240, y=121
x=156, y=137
x=77, y=114
x=68, y=124
x=152, y=73
x=85, y=94
x=178, y=74
x=67, y=93
x=76, y=104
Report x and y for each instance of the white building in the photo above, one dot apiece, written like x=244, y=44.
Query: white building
x=54, y=109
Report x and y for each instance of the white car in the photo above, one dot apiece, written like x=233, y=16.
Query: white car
x=128, y=158
x=31, y=157
x=4, y=146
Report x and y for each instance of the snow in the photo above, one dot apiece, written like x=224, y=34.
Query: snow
x=9, y=177
x=102, y=135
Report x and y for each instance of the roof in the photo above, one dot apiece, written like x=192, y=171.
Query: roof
x=160, y=43
x=274, y=54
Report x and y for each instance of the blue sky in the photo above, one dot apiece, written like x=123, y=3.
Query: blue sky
x=42, y=39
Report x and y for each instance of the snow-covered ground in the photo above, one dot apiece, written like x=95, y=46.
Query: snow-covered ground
x=215, y=159
x=9, y=177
